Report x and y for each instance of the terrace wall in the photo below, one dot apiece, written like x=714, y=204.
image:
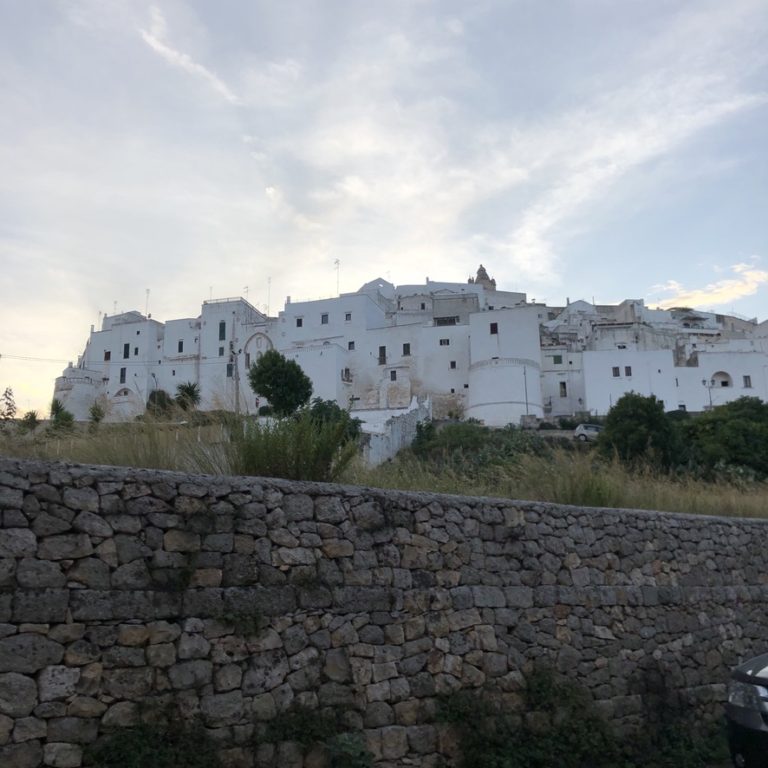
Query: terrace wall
x=234, y=598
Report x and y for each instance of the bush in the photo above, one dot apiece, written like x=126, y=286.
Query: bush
x=157, y=744
x=297, y=448
x=637, y=429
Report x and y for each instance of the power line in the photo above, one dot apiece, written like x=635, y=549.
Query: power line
x=32, y=359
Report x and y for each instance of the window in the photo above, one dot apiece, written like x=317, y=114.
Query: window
x=247, y=360
x=627, y=370
x=173, y=372
x=221, y=351
x=138, y=333
x=406, y=350
x=444, y=342
x=382, y=355
x=347, y=316
x=616, y=371
x=126, y=351
x=452, y=320
x=351, y=345
x=299, y=322
x=324, y=318
x=747, y=382
x=563, y=389
x=557, y=359
x=135, y=351
x=423, y=305
x=393, y=375
x=107, y=355
x=180, y=346
x=229, y=370
x=346, y=375
x=494, y=329
x=222, y=330
x=453, y=364
x=122, y=375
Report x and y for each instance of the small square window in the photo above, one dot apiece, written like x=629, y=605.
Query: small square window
x=453, y=364
x=299, y=322
x=347, y=316
x=221, y=351
x=557, y=359
x=616, y=371
x=324, y=318
x=627, y=370
x=494, y=329
x=350, y=345
x=445, y=342
x=107, y=355
x=393, y=375
x=423, y=305
x=406, y=350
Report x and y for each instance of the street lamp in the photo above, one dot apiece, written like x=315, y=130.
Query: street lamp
x=709, y=386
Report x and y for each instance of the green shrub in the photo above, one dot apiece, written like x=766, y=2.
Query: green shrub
x=159, y=744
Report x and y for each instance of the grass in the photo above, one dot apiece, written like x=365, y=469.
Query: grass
x=297, y=450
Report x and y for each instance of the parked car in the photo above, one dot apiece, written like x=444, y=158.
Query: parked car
x=586, y=432
x=746, y=714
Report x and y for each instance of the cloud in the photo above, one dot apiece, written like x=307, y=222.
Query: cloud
x=747, y=282
x=154, y=38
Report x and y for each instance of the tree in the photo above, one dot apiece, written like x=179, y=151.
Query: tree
x=61, y=419
x=96, y=414
x=637, y=428
x=735, y=435
x=330, y=412
x=159, y=404
x=281, y=381
x=7, y=405
x=30, y=421
x=188, y=396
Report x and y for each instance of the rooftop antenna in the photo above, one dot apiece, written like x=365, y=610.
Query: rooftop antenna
x=114, y=307
x=269, y=292
x=210, y=292
x=246, y=292
x=338, y=265
x=146, y=305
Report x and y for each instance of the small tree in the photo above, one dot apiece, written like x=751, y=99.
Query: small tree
x=281, y=381
x=159, y=404
x=61, y=419
x=637, y=428
x=188, y=396
x=30, y=421
x=7, y=406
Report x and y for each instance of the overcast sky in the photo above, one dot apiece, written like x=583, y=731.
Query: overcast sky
x=600, y=149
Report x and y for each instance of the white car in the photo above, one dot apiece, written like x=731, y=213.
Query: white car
x=585, y=432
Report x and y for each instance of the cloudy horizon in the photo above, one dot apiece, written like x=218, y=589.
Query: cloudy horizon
x=578, y=149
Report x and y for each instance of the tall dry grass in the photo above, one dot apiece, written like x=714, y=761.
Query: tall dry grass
x=571, y=477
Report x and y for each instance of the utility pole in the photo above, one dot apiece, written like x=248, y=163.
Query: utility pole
x=338, y=266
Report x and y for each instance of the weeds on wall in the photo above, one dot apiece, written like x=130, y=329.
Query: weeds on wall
x=560, y=726
x=327, y=728
x=159, y=744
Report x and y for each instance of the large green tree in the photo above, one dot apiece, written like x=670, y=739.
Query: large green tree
x=281, y=381
x=735, y=435
x=637, y=429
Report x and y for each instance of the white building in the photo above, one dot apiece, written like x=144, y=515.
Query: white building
x=472, y=350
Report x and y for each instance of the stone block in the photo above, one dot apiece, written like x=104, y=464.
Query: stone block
x=57, y=682
x=28, y=754
x=28, y=652
x=17, y=542
x=39, y=574
x=62, y=755
x=18, y=694
x=67, y=546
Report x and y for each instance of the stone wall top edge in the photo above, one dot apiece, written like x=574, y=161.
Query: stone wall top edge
x=132, y=474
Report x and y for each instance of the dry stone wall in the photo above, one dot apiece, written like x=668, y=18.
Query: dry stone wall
x=234, y=599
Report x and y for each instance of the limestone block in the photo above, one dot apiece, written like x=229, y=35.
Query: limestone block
x=95, y=525
x=67, y=546
x=18, y=694
x=57, y=682
x=121, y=715
x=38, y=574
x=28, y=754
x=28, y=652
x=191, y=674
x=62, y=755
x=17, y=542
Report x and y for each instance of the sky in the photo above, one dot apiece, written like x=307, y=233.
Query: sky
x=157, y=154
